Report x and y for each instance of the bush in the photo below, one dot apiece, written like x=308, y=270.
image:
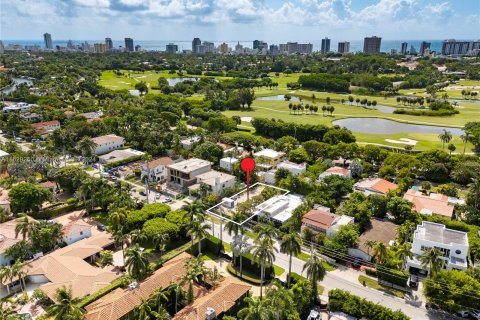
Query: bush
x=253, y=267
x=428, y=113
x=136, y=219
x=393, y=276
x=244, y=277
x=210, y=244
x=179, y=218
x=295, y=277
x=340, y=300
x=160, y=226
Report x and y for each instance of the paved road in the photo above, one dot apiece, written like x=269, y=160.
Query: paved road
x=347, y=279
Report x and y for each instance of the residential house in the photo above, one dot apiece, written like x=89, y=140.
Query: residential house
x=108, y=143
x=74, y=227
x=91, y=116
x=379, y=231
x=292, y=167
x=215, y=180
x=120, y=155
x=20, y=106
x=375, y=186
x=188, y=143
x=7, y=239
x=183, y=174
x=31, y=116
x=279, y=208
x=72, y=267
x=435, y=203
x=320, y=219
x=119, y=303
x=156, y=170
x=46, y=128
x=228, y=163
x=347, y=173
x=452, y=244
x=269, y=156
x=49, y=185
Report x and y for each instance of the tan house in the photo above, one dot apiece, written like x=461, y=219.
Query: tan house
x=339, y=171
x=375, y=186
x=379, y=231
x=435, y=203
x=72, y=267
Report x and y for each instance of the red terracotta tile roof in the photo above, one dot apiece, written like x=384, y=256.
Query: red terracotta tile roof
x=319, y=219
x=434, y=203
x=161, y=161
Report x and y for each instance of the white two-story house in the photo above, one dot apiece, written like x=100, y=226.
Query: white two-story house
x=156, y=170
x=452, y=243
x=108, y=143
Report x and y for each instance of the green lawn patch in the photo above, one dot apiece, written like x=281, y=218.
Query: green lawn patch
x=372, y=283
x=101, y=217
x=278, y=270
x=246, y=276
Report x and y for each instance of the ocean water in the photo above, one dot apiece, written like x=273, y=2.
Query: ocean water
x=159, y=45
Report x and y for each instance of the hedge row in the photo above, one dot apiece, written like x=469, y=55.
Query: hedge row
x=340, y=300
x=121, y=162
x=397, y=277
x=210, y=244
x=252, y=266
x=428, y=113
x=244, y=277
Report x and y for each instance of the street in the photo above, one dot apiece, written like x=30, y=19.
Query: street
x=346, y=279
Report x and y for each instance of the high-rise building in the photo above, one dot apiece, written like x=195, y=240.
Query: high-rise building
x=295, y=47
x=273, y=50
x=223, y=48
x=100, y=47
x=424, y=46
x=129, y=45
x=196, y=42
x=404, y=48
x=2, y=48
x=325, y=45
x=138, y=48
x=209, y=47
x=70, y=45
x=260, y=45
x=47, y=38
x=238, y=48
x=171, y=48
x=109, y=43
x=372, y=44
x=453, y=47
x=344, y=47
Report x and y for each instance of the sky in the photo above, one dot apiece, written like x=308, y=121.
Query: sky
x=232, y=20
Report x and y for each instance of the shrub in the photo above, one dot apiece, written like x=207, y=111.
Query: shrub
x=244, y=277
x=295, y=277
x=393, y=276
x=340, y=300
x=136, y=219
x=160, y=226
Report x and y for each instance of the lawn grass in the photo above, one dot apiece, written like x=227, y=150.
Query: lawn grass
x=101, y=217
x=327, y=265
x=372, y=283
x=278, y=270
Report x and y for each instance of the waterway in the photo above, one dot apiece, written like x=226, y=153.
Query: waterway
x=16, y=83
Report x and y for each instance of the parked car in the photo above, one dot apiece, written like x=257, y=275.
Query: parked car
x=157, y=196
x=413, y=282
x=105, y=174
x=101, y=227
x=464, y=313
x=314, y=315
x=114, y=178
x=357, y=263
x=122, y=168
x=475, y=314
x=168, y=200
x=143, y=193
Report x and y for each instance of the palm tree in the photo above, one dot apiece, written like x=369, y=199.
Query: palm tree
x=195, y=209
x=292, y=245
x=404, y=251
x=117, y=218
x=121, y=238
x=177, y=290
x=369, y=244
x=266, y=230
x=233, y=225
x=445, y=137
x=257, y=309
x=86, y=146
x=264, y=252
x=8, y=310
x=190, y=276
x=158, y=296
x=160, y=240
x=240, y=246
x=198, y=230
x=465, y=138
x=66, y=307
x=25, y=226
x=6, y=273
x=380, y=252
x=431, y=260
x=137, y=262
x=315, y=272
x=144, y=310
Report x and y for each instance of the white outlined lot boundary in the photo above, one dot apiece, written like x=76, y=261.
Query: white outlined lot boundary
x=210, y=211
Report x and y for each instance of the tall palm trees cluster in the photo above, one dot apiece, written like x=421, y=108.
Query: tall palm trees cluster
x=302, y=109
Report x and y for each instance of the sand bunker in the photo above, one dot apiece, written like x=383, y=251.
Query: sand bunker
x=403, y=141
x=246, y=119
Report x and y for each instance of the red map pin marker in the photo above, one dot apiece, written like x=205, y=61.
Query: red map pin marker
x=247, y=165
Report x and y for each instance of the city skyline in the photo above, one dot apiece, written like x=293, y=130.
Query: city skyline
x=218, y=20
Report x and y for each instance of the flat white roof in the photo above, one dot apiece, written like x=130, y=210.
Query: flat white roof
x=209, y=177
x=437, y=232
x=280, y=207
x=3, y=153
x=292, y=165
x=189, y=165
x=269, y=153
